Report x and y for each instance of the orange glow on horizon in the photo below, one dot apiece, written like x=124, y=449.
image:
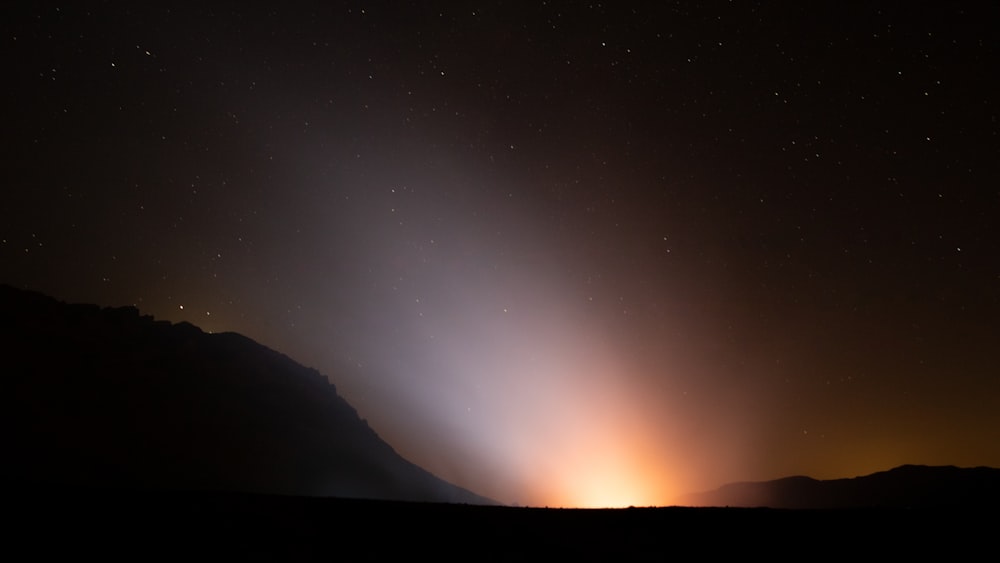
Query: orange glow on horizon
x=607, y=461
x=613, y=487
x=569, y=421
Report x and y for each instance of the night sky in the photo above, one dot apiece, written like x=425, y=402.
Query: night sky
x=563, y=254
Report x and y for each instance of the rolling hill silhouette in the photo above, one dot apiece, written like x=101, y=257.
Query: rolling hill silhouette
x=907, y=486
x=107, y=397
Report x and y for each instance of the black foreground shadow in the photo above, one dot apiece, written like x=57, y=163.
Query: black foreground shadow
x=162, y=525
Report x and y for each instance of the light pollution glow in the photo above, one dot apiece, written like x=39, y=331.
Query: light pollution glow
x=563, y=257
x=503, y=375
x=552, y=409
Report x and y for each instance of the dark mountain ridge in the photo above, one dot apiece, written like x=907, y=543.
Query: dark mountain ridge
x=108, y=397
x=906, y=486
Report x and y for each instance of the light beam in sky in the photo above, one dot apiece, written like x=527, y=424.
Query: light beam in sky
x=530, y=386
x=563, y=256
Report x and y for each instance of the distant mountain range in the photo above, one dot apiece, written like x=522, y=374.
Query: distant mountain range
x=107, y=397
x=907, y=486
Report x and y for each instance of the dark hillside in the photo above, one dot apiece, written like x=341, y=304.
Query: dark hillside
x=108, y=397
x=907, y=486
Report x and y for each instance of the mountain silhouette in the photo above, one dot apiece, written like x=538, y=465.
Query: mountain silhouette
x=907, y=486
x=107, y=397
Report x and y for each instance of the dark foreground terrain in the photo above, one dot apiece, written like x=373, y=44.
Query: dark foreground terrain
x=144, y=525
x=108, y=397
x=107, y=414
x=906, y=486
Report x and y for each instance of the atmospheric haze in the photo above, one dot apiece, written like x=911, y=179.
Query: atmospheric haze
x=565, y=254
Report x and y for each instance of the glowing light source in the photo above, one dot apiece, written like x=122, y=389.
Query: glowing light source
x=609, y=466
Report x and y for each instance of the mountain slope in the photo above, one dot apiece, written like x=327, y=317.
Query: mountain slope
x=907, y=486
x=108, y=397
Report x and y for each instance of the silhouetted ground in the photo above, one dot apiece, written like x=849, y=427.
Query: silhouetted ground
x=121, y=409
x=93, y=396
x=906, y=486
x=144, y=525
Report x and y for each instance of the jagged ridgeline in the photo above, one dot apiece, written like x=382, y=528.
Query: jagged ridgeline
x=108, y=397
